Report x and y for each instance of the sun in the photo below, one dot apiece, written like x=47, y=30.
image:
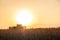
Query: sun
x=24, y=17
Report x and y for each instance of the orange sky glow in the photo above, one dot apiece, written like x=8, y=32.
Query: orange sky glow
x=46, y=13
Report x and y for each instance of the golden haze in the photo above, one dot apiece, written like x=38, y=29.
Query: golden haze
x=46, y=12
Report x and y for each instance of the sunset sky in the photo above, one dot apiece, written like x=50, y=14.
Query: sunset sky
x=46, y=13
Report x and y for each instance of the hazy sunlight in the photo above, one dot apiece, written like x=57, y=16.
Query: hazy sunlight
x=24, y=17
